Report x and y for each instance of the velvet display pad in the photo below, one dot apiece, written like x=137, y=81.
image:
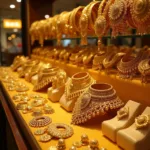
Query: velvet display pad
x=126, y=88
x=92, y=128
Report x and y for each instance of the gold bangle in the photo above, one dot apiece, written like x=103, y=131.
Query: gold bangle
x=54, y=131
x=75, y=17
x=40, y=121
x=92, y=14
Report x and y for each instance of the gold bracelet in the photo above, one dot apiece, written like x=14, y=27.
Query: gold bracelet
x=54, y=131
x=92, y=14
x=40, y=121
x=75, y=17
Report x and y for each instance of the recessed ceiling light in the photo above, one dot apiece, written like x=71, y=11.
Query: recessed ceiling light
x=12, y=6
x=18, y=1
x=46, y=16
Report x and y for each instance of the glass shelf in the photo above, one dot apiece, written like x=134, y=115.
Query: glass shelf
x=109, y=37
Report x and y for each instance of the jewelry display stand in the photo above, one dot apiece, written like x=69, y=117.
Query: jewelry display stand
x=75, y=86
x=111, y=127
x=55, y=94
x=19, y=69
x=34, y=79
x=135, y=139
x=67, y=105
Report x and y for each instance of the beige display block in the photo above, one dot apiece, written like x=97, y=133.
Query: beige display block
x=111, y=127
x=67, y=105
x=19, y=69
x=55, y=94
x=34, y=79
x=135, y=139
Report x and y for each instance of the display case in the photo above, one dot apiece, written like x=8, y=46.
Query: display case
x=82, y=96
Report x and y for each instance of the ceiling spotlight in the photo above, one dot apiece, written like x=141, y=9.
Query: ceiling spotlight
x=12, y=6
x=18, y=1
x=46, y=16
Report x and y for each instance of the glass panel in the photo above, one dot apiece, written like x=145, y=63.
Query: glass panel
x=10, y=31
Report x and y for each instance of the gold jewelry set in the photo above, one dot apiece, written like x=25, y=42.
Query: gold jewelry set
x=85, y=143
x=97, y=100
x=128, y=65
x=33, y=103
x=13, y=83
x=75, y=86
x=123, y=60
x=98, y=17
x=26, y=68
x=54, y=130
x=19, y=61
x=47, y=76
x=141, y=122
x=144, y=69
x=40, y=121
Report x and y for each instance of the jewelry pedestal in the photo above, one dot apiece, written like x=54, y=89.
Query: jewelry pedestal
x=135, y=139
x=19, y=69
x=111, y=127
x=67, y=104
x=55, y=94
x=34, y=79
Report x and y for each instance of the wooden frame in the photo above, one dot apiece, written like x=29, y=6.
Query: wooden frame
x=23, y=136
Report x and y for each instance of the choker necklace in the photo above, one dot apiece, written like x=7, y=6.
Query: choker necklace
x=77, y=85
x=27, y=67
x=45, y=78
x=144, y=69
x=98, y=100
x=128, y=67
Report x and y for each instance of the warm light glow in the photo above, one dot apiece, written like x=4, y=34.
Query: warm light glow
x=18, y=1
x=12, y=6
x=12, y=23
x=13, y=36
x=9, y=38
x=46, y=16
x=15, y=30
